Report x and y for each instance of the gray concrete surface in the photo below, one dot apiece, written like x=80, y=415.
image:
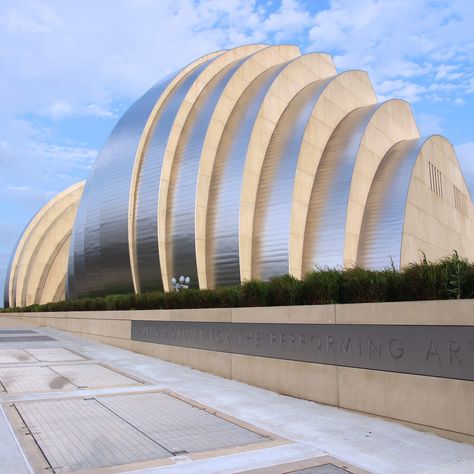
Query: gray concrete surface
x=313, y=429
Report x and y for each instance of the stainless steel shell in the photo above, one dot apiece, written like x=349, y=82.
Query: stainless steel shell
x=99, y=260
x=222, y=245
x=182, y=190
x=230, y=134
x=326, y=221
x=145, y=229
x=382, y=228
x=270, y=250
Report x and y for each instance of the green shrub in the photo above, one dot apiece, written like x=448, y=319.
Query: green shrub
x=321, y=287
x=450, y=278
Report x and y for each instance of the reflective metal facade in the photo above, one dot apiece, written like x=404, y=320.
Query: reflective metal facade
x=236, y=130
x=275, y=192
x=148, y=272
x=226, y=183
x=382, y=228
x=99, y=255
x=326, y=224
x=182, y=190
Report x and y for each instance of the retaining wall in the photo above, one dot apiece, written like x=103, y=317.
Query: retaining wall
x=409, y=361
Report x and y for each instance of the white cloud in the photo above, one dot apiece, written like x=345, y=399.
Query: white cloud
x=59, y=109
x=422, y=42
x=85, y=61
x=35, y=168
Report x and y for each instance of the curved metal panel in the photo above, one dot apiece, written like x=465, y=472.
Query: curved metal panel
x=382, y=226
x=298, y=74
x=182, y=191
x=99, y=257
x=222, y=246
x=270, y=249
x=145, y=224
x=326, y=221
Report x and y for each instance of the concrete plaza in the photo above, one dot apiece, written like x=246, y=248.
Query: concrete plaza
x=69, y=404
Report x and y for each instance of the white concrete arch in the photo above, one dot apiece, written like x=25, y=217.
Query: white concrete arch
x=249, y=70
x=151, y=123
x=165, y=198
x=292, y=79
x=41, y=251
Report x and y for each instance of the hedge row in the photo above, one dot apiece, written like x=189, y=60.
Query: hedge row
x=449, y=278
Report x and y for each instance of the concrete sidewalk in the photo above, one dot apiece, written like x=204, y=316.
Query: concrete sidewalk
x=246, y=429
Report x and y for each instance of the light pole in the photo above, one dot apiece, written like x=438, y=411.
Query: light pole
x=183, y=282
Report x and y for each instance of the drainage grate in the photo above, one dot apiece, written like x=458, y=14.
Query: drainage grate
x=32, y=379
x=81, y=434
x=54, y=355
x=94, y=376
x=17, y=331
x=26, y=338
x=61, y=377
x=91, y=433
x=9, y=356
x=323, y=469
x=179, y=426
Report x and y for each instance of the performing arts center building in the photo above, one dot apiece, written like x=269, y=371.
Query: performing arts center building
x=248, y=163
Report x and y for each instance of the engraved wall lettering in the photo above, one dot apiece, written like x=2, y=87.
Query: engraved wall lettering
x=440, y=351
x=432, y=351
x=395, y=348
x=453, y=349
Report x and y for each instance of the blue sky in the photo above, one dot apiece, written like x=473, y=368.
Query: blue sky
x=69, y=69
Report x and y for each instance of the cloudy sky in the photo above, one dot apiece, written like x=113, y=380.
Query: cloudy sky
x=69, y=69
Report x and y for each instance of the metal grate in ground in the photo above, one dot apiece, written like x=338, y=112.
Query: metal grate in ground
x=82, y=434
x=61, y=377
x=26, y=338
x=323, y=469
x=78, y=434
x=8, y=356
x=54, y=355
x=94, y=376
x=32, y=379
x=17, y=331
x=177, y=425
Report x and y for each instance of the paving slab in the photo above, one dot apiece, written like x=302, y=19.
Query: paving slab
x=32, y=379
x=81, y=434
x=91, y=433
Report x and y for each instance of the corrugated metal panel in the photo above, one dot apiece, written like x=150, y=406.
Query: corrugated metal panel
x=382, y=226
x=146, y=210
x=99, y=258
x=182, y=190
x=326, y=221
x=270, y=249
x=222, y=246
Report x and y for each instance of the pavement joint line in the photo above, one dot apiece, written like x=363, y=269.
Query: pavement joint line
x=440, y=453
x=17, y=443
x=64, y=377
x=134, y=427
x=58, y=394
x=32, y=355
